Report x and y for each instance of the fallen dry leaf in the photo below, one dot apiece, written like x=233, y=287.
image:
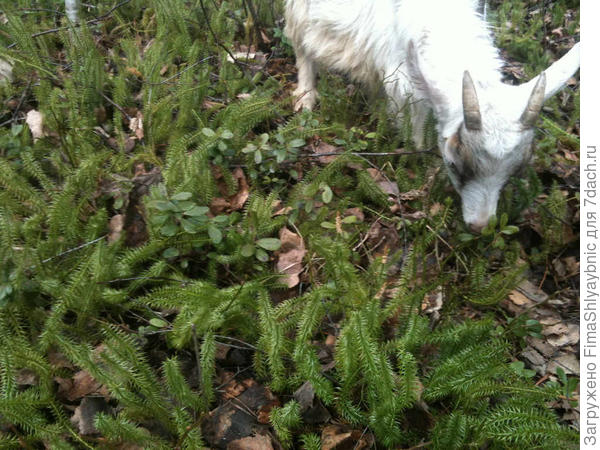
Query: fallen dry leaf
x=519, y=298
x=5, y=71
x=384, y=184
x=136, y=124
x=335, y=437
x=562, y=334
x=239, y=199
x=26, y=377
x=338, y=437
x=567, y=361
x=85, y=413
x=35, y=122
x=115, y=227
x=290, y=256
x=79, y=386
x=256, y=442
x=319, y=147
x=356, y=212
x=135, y=72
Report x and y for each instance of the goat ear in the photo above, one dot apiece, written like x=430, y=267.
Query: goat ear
x=557, y=74
x=437, y=98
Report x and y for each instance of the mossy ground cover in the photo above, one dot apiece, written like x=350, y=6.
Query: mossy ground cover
x=155, y=184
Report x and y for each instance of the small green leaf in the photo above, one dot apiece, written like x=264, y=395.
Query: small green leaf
x=257, y=157
x=170, y=252
x=208, y=132
x=249, y=148
x=328, y=225
x=169, y=229
x=221, y=219
x=280, y=155
x=271, y=244
x=308, y=206
x=510, y=229
x=371, y=135
x=248, y=250
x=350, y=219
x=261, y=255
x=215, y=234
x=159, y=219
x=162, y=205
x=226, y=134
x=189, y=226
x=499, y=243
x=327, y=194
x=297, y=143
x=184, y=205
x=182, y=196
x=196, y=211
x=263, y=138
x=465, y=237
x=16, y=129
x=158, y=323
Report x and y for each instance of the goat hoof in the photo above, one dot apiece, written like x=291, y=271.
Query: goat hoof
x=304, y=100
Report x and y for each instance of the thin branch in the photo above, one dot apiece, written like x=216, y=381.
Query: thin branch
x=416, y=152
x=115, y=105
x=71, y=250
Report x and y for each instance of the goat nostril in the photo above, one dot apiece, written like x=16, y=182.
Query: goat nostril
x=477, y=226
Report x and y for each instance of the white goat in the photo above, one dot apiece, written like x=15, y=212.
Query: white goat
x=435, y=54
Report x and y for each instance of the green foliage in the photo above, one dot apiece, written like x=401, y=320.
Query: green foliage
x=284, y=419
x=215, y=168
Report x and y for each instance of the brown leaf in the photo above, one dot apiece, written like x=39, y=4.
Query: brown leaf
x=532, y=292
x=82, y=384
x=518, y=298
x=384, y=184
x=561, y=334
x=567, y=361
x=335, y=437
x=115, y=227
x=412, y=195
x=129, y=144
x=136, y=124
x=435, y=209
x=26, y=377
x=320, y=147
x=85, y=413
x=238, y=201
x=219, y=205
x=305, y=396
x=256, y=442
x=356, y=212
x=290, y=256
x=338, y=437
x=135, y=72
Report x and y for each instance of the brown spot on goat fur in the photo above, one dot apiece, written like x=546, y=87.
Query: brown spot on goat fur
x=462, y=167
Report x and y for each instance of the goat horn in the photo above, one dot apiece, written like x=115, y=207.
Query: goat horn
x=471, y=111
x=534, y=105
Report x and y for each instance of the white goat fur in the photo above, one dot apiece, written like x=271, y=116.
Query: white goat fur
x=420, y=50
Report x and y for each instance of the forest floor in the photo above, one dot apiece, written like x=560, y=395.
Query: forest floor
x=187, y=263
